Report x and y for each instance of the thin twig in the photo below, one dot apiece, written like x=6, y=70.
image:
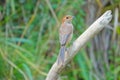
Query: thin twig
x=115, y=24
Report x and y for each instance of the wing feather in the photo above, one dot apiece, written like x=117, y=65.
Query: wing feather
x=65, y=33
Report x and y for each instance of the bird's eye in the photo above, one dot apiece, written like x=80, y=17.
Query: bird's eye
x=66, y=17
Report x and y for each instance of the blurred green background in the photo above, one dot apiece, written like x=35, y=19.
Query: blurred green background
x=29, y=39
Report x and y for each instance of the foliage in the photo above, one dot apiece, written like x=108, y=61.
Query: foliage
x=29, y=41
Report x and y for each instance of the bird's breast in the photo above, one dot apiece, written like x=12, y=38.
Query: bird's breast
x=66, y=28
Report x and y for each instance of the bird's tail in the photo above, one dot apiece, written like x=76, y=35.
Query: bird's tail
x=61, y=56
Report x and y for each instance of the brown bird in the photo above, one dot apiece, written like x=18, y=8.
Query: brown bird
x=65, y=35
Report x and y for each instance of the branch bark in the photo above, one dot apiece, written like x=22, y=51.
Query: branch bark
x=95, y=28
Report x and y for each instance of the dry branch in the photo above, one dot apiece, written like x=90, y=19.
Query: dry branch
x=95, y=28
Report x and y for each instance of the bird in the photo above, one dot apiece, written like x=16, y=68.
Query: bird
x=65, y=36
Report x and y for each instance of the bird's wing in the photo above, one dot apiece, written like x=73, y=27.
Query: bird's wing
x=65, y=33
x=64, y=38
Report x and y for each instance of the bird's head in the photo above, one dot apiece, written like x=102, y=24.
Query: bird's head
x=67, y=18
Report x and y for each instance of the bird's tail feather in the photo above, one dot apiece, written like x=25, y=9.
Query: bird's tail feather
x=61, y=56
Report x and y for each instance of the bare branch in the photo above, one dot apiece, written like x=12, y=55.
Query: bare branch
x=95, y=28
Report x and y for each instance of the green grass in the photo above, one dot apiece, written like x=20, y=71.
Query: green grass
x=29, y=41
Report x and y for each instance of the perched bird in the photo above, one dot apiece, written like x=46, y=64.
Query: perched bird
x=65, y=35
